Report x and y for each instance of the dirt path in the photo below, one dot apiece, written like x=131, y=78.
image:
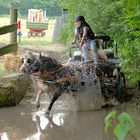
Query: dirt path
x=55, y=50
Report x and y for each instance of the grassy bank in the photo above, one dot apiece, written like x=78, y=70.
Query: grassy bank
x=2, y=73
x=35, y=42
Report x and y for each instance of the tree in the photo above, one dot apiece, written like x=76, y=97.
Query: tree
x=51, y=6
x=117, y=18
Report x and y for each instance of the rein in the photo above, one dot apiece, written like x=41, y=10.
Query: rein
x=66, y=79
x=59, y=80
x=45, y=74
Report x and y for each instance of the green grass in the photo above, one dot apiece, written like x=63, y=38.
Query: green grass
x=35, y=42
x=8, y=16
x=2, y=73
x=4, y=16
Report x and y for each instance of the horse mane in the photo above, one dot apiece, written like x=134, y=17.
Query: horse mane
x=49, y=64
x=30, y=55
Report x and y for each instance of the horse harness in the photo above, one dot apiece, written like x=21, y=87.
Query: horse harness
x=46, y=74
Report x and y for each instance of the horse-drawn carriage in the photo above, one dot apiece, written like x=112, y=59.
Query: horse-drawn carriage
x=112, y=80
x=37, y=23
x=102, y=82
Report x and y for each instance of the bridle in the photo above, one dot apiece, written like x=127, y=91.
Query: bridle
x=27, y=64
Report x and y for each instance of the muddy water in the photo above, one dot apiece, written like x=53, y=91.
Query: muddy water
x=24, y=122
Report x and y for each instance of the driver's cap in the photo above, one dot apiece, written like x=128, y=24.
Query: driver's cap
x=79, y=18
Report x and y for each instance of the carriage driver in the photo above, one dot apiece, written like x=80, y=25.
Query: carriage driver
x=85, y=37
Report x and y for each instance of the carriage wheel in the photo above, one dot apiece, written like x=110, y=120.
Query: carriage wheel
x=43, y=34
x=39, y=33
x=34, y=33
x=29, y=34
x=120, y=87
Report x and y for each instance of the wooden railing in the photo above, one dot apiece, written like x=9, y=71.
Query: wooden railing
x=12, y=28
x=8, y=28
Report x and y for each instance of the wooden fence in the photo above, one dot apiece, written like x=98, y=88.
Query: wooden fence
x=12, y=28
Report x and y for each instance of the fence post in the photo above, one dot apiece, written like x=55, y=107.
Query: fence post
x=13, y=19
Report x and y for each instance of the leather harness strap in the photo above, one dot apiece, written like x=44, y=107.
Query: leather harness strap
x=59, y=80
x=45, y=73
x=65, y=79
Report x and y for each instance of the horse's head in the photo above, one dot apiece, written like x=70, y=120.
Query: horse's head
x=27, y=62
x=36, y=66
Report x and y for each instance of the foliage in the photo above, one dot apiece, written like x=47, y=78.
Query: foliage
x=108, y=120
x=2, y=73
x=124, y=126
x=51, y=6
x=117, y=18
